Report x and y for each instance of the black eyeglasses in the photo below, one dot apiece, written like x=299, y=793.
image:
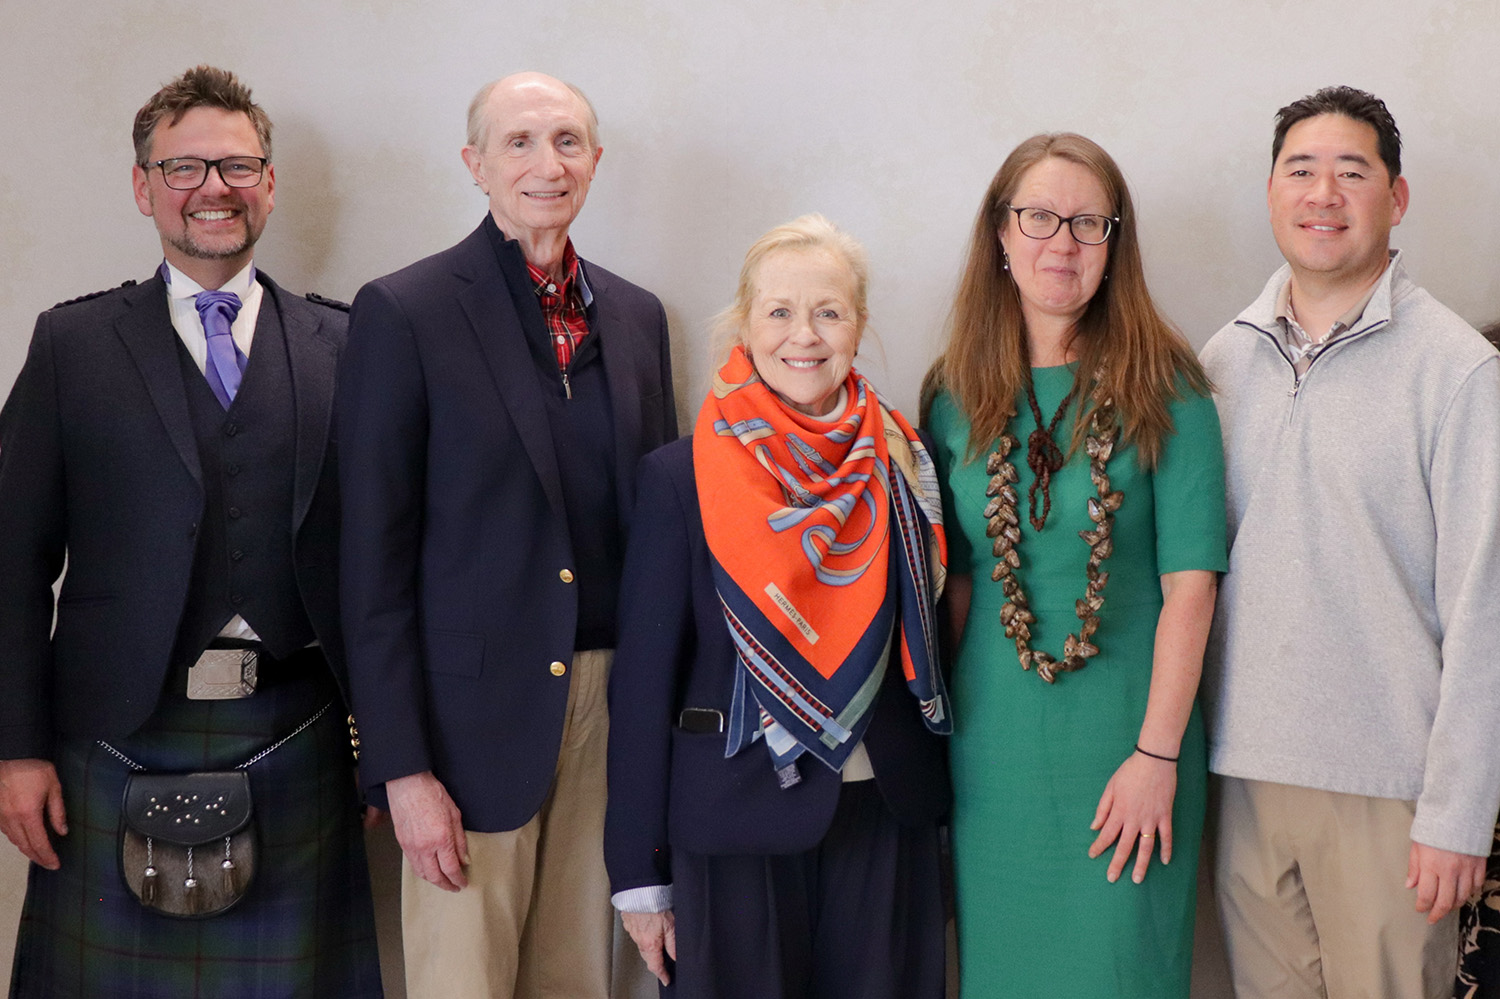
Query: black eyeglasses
x=188, y=173
x=1038, y=223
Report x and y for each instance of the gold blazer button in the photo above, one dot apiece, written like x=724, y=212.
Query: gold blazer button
x=558, y=669
x=566, y=575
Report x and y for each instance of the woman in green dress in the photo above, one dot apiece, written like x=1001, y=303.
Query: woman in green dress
x=1085, y=498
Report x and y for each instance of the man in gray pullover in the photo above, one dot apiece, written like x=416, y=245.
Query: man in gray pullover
x=1352, y=684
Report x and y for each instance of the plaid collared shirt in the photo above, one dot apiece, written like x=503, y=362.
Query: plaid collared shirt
x=1301, y=347
x=563, y=306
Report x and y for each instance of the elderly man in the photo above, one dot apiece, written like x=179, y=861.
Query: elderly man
x=170, y=440
x=494, y=401
x=1352, y=685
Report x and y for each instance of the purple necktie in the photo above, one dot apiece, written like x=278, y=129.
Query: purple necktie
x=226, y=363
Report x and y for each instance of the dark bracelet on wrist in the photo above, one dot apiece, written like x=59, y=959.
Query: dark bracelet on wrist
x=1155, y=756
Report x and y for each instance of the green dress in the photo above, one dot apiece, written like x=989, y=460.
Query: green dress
x=1036, y=917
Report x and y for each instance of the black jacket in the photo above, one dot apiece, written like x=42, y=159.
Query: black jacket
x=458, y=565
x=674, y=788
x=99, y=468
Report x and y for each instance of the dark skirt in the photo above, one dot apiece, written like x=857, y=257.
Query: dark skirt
x=859, y=916
x=306, y=925
x=1479, y=937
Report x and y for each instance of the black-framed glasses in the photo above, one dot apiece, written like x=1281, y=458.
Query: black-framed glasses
x=1038, y=223
x=188, y=173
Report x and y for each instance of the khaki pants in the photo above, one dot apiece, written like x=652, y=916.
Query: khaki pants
x=535, y=920
x=1312, y=893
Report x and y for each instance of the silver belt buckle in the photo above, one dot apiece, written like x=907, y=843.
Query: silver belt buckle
x=222, y=675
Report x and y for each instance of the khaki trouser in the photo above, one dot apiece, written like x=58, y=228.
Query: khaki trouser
x=1312, y=893
x=535, y=920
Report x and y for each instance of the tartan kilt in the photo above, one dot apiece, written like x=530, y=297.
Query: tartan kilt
x=306, y=925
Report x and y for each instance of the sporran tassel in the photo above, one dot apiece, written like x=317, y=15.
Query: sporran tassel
x=191, y=899
x=148, y=880
x=231, y=878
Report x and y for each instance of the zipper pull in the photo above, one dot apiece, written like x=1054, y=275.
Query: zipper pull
x=567, y=385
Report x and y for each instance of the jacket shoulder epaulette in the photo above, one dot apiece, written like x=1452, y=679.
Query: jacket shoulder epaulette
x=94, y=294
x=331, y=303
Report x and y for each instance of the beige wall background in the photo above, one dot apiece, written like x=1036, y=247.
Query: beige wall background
x=720, y=120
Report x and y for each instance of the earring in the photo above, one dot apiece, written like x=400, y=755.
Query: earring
x=1006, y=265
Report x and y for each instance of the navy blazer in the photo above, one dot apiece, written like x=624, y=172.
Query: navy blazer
x=99, y=466
x=672, y=788
x=456, y=555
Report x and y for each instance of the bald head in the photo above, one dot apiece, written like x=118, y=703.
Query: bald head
x=524, y=87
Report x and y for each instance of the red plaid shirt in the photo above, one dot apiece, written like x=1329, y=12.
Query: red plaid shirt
x=562, y=306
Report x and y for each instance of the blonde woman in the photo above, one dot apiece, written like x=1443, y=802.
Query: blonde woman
x=775, y=770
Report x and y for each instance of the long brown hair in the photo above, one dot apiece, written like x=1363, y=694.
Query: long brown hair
x=1121, y=335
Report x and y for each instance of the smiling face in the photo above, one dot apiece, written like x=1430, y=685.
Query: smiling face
x=209, y=233
x=1058, y=276
x=1333, y=203
x=537, y=161
x=803, y=327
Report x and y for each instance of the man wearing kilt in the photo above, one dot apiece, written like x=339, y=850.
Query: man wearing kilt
x=170, y=442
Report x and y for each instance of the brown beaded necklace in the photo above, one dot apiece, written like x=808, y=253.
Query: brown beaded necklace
x=1003, y=524
x=1043, y=456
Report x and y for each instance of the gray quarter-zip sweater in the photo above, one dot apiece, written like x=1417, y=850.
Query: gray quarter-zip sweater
x=1356, y=644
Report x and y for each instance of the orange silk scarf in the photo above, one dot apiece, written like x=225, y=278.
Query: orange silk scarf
x=829, y=554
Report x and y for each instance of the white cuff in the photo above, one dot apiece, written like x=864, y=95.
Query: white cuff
x=650, y=898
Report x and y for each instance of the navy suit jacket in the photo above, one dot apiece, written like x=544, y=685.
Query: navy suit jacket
x=673, y=788
x=99, y=466
x=456, y=549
